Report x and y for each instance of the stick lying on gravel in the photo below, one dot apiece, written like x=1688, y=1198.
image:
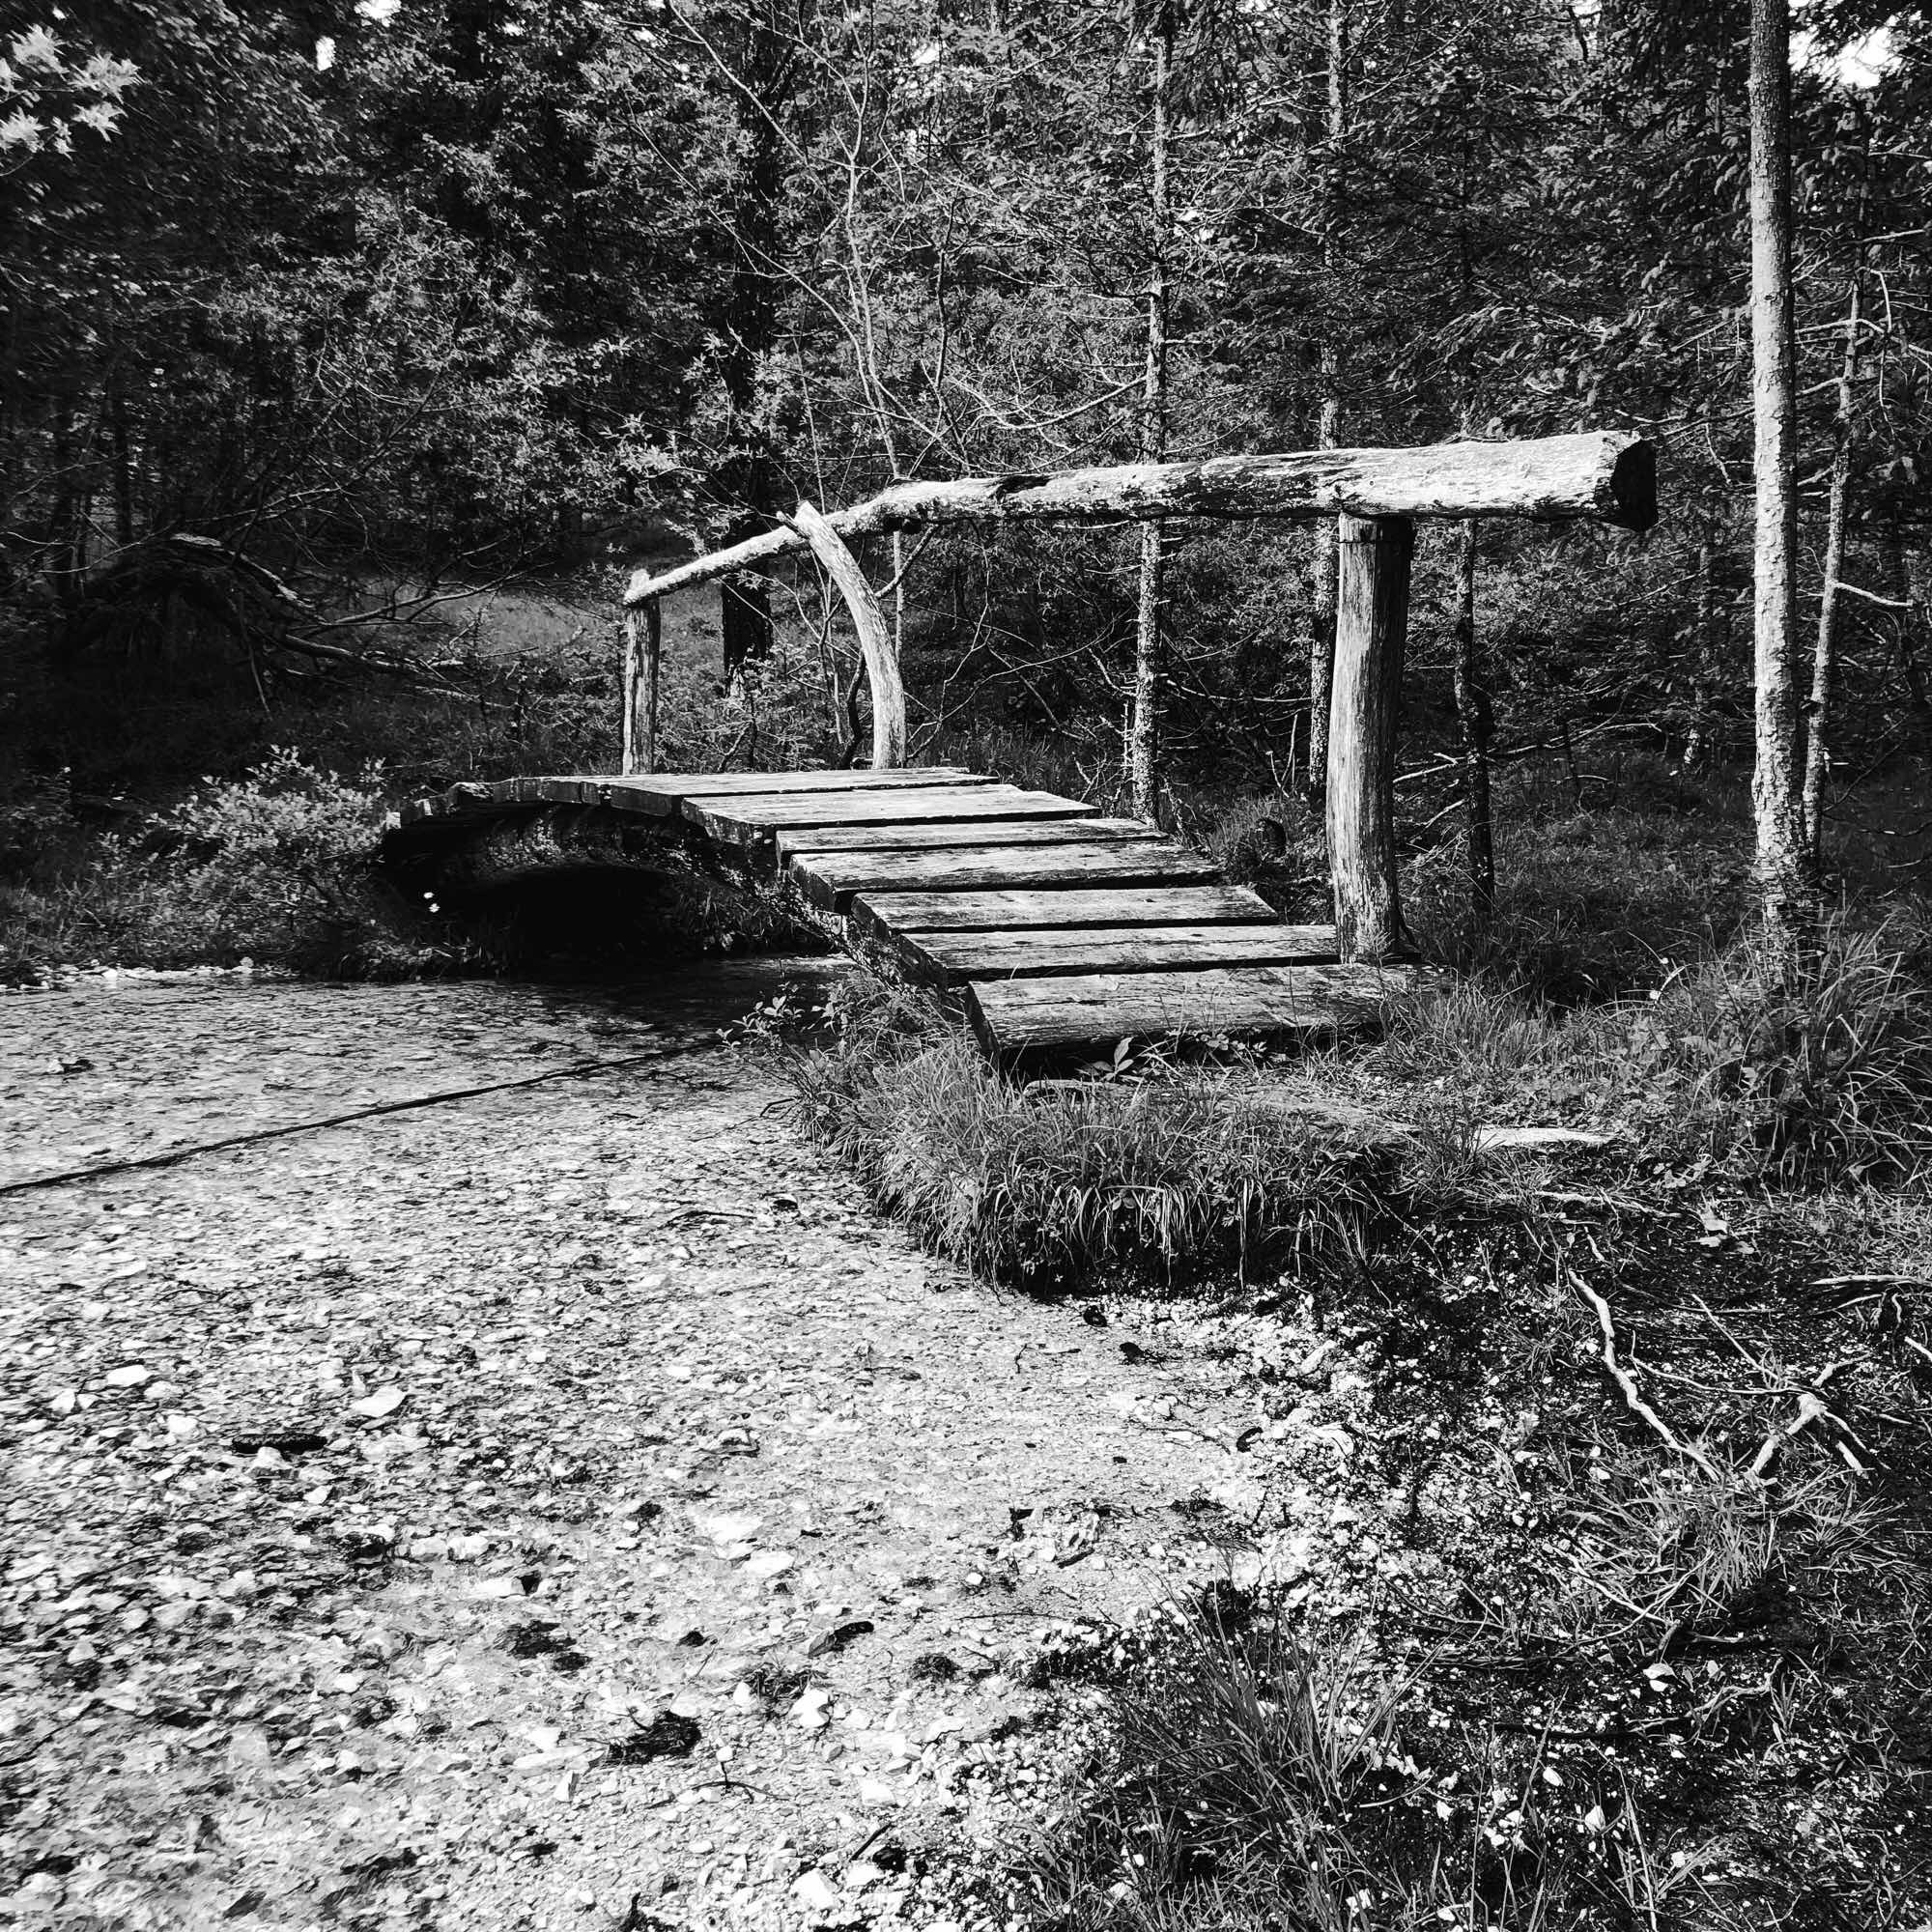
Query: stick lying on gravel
x=1625, y=1381
x=176, y=1154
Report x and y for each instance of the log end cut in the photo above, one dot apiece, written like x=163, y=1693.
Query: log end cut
x=1630, y=493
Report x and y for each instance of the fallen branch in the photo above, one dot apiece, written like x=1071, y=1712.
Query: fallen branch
x=581, y=1068
x=1620, y=1204
x=1627, y=1383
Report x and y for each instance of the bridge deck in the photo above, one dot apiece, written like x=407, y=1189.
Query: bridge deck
x=1061, y=928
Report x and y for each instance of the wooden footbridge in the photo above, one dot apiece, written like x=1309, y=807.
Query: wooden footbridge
x=1058, y=928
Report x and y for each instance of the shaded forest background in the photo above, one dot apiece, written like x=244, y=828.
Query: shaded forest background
x=321, y=320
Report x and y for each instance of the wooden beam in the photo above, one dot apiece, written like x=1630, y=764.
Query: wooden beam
x=1087, y=1011
x=1371, y=618
x=753, y=819
x=874, y=914
x=875, y=636
x=832, y=879
x=902, y=837
x=952, y=958
x=1608, y=476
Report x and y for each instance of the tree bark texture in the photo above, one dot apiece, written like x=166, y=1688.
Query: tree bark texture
x=1605, y=476
x=746, y=482
x=1328, y=418
x=875, y=636
x=643, y=638
x=1825, y=650
x=1371, y=619
x=1473, y=718
x=1144, y=732
x=1782, y=870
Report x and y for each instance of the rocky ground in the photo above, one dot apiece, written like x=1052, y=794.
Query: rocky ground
x=563, y=1506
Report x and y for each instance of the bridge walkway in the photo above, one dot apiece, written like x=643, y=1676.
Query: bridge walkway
x=1057, y=927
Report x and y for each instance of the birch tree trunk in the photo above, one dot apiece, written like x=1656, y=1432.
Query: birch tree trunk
x=747, y=480
x=1784, y=874
x=1144, y=746
x=1473, y=718
x=1329, y=421
x=1825, y=651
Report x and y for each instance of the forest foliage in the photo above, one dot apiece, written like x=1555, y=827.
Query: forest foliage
x=453, y=289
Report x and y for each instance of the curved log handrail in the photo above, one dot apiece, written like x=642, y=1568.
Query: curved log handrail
x=1605, y=476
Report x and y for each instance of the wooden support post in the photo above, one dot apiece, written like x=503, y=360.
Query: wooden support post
x=875, y=636
x=1371, y=618
x=638, y=692
x=626, y=695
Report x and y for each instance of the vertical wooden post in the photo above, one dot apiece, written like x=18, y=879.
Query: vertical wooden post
x=1370, y=618
x=638, y=692
x=653, y=651
x=627, y=698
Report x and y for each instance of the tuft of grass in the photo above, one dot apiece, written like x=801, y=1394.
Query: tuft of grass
x=1171, y=1175
x=1821, y=1080
x=1250, y=1775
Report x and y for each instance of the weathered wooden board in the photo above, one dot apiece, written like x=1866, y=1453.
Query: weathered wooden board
x=832, y=879
x=1017, y=1017
x=658, y=794
x=875, y=913
x=906, y=836
x=951, y=958
x=752, y=820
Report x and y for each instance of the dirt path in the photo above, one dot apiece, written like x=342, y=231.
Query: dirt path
x=560, y=1508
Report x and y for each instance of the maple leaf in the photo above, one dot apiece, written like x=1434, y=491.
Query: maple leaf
x=37, y=48
x=20, y=129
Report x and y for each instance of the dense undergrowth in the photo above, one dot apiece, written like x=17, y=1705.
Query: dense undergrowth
x=1584, y=1682
x=1639, y=1640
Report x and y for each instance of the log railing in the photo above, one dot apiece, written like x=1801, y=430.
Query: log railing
x=1606, y=477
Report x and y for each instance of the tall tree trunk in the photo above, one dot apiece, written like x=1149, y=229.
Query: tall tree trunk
x=1329, y=420
x=747, y=480
x=1473, y=718
x=1143, y=748
x=1825, y=651
x=1783, y=873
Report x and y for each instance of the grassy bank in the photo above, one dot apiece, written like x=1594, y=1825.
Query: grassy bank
x=1594, y=1546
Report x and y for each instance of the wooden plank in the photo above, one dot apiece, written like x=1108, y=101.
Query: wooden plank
x=754, y=820
x=1018, y=1017
x=733, y=785
x=904, y=836
x=875, y=913
x=658, y=794
x=951, y=958
x=832, y=879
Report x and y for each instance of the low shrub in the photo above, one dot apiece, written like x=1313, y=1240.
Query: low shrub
x=277, y=867
x=1252, y=1776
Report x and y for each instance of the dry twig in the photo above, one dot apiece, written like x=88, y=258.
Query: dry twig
x=1627, y=1383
